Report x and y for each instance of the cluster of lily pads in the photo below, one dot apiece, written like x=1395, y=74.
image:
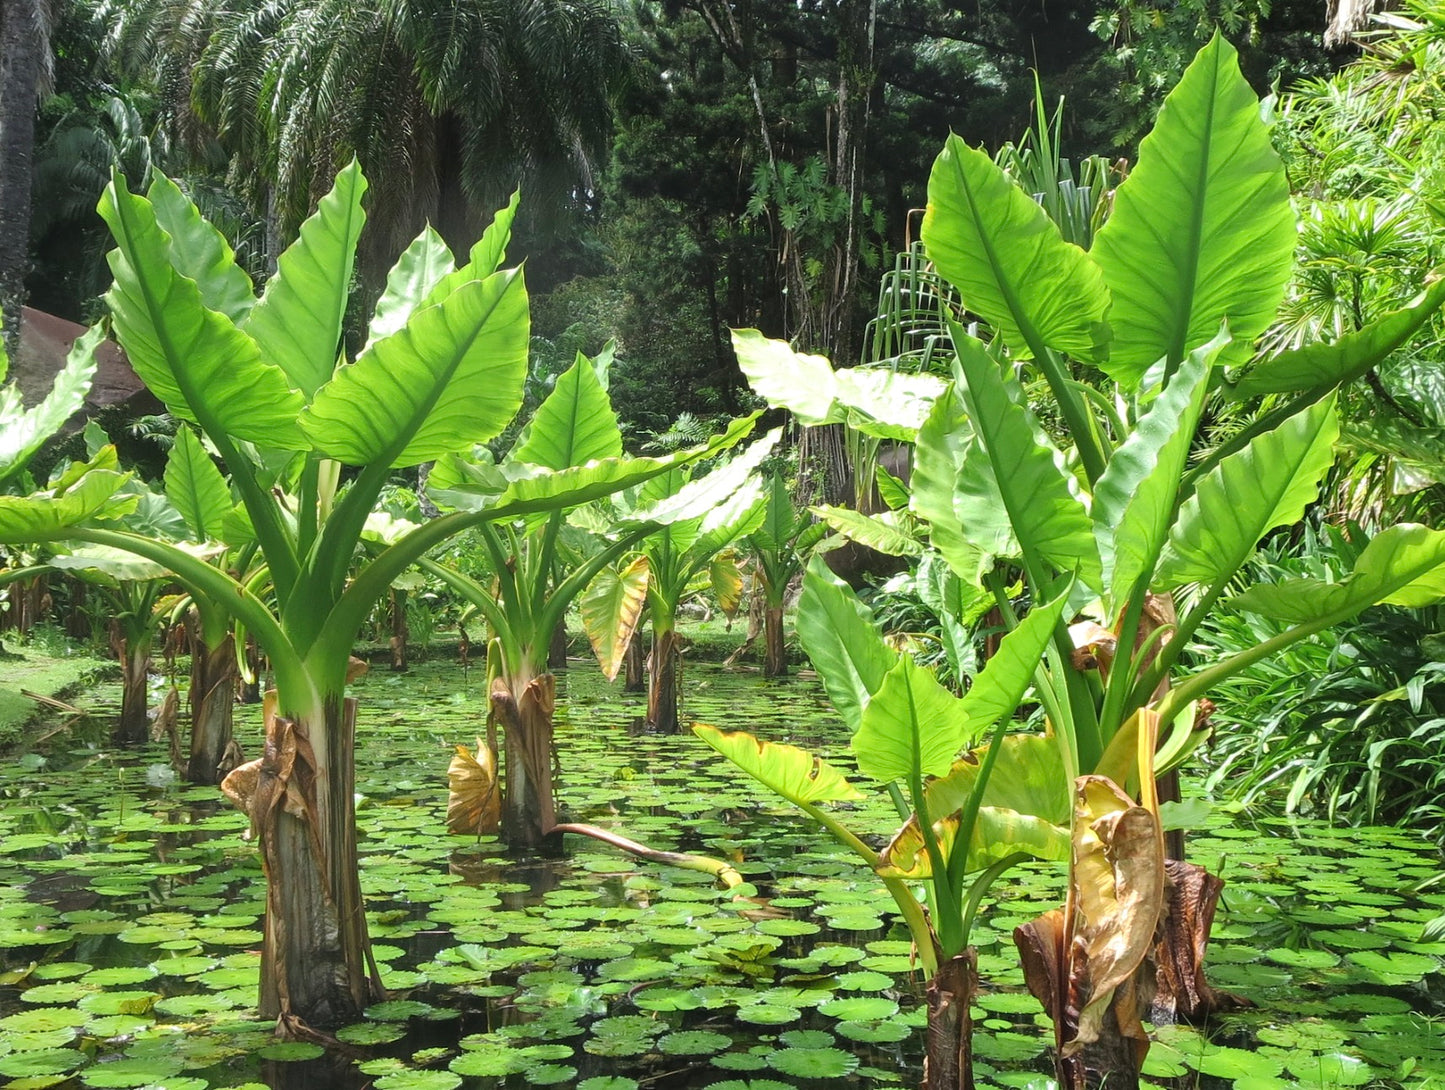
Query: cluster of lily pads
x=130, y=920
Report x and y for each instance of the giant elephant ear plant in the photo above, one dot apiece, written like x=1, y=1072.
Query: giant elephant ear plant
x=1140, y=533
x=268, y=382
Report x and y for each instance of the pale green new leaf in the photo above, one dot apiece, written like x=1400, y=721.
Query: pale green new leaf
x=937, y=458
x=196, y=488
x=911, y=727
x=788, y=771
x=418, y=270
x=1317, y=366
x=1202, y=230
x=1000, y=686
x=1267, y=484
x=200, y=252
x=1027, y=777
x=1401, y=566
x=1023, y=486
x=1134, y=498
x=992, y=242
x=886, y=404
x=797, y=381
x=887, y=532
x=192, y=358
x=574, y=424
x=611, y=606
x=841, y=638
x=85, y=491
x=297, y=323
x=450, y=378
x=23, y=431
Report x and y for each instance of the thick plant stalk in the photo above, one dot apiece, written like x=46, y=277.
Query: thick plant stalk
x=723, y=871
x=634, y=665
x=524, y=709
x=775, y=652
x=662, y=690
x=315, y=969
x=399, y=631
x=948, y=1059
x=213, y=697
x=133, y=726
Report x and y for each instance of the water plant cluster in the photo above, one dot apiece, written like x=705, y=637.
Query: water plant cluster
x=131, y=958
x=1082, y=487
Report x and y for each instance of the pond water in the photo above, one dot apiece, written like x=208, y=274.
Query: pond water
x=130, y=921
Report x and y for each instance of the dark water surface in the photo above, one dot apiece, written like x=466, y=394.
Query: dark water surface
x=130, y=920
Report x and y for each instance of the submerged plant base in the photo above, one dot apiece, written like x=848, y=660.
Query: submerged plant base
x=948, y=1061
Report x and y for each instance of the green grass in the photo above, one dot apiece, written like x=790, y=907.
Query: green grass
x=47, y=665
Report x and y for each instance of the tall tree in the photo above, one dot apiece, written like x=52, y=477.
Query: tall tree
x=24, y=60
x=447, y=105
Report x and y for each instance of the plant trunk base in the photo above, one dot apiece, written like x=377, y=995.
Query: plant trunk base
x=528, y=809
x=662, y=691
x=948, y=1059
x=634, y=664
x=775, y=651
x=1182, y=994
x=213, y=697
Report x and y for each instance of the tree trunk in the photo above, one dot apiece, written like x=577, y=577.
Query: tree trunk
x=948, y=1057
x=775, y=651
x=524, y=709
x=398, y=629
x=662, y=682
x=635, y=666
x=316, y=967
x=22, y=44
x=213, y=696
x=133, y=726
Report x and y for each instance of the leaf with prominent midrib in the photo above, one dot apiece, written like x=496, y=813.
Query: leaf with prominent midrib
x=839, y=635
x=196, y=488
x=793, y=773
x=1202, y=230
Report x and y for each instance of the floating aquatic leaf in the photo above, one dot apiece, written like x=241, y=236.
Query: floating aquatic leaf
x=50, y=1061
x=418, y=1080
x=697, y=1042
x=129, y=1072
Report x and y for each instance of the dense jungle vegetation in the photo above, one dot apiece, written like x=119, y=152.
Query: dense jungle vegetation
x=1050, y=395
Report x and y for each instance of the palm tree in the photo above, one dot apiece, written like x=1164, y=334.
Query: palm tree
x=448, y=105
x=25, y=65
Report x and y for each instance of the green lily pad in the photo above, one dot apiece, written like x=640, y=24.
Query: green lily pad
x=694, y=1042
x=129, y=1072
x=813, y=1063
x=860, y=1008
x=48, y=1061
x=418, y=1080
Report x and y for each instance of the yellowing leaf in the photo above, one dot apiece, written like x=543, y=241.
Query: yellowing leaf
x=611, y=606
x=793, y=773
x=474, y=802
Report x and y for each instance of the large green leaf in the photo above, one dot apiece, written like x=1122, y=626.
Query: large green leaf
x=796, y=381
x=1134, y=498
x=1022, y=487
x=1000, y=686
x=1202, y=230
x=451, y=377
x=995, y=244
x=574, y=425
x=888, y=532
x=1267, y=484
x=877, y=401
x=84, y=491
x=937, y=458
x=911, y=727
x=1025, y=808
x=841, y=638
x=1323, y=366
x=737, y=516
x=417, y=272
x=611, y=606
x=297, y=323
x=793, y=773
x=22, y=430
x=1401, y=566
x=192, y=358
x=196, y=488
x=200, y=252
